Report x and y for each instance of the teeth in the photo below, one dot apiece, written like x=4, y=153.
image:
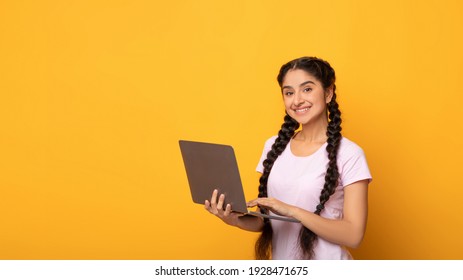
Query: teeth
x=302, y=110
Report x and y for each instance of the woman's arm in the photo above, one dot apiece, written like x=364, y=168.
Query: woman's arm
x=246, y=222
x=348, y=231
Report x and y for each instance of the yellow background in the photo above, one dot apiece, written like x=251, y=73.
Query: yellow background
x=94, y=96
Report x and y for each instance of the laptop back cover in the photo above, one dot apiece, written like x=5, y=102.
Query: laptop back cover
x=213, y=166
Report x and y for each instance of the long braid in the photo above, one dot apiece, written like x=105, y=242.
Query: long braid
x=307, y=238
x=263, y=244
x=334, y=139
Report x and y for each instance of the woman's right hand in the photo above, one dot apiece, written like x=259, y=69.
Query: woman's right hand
x=215, y=206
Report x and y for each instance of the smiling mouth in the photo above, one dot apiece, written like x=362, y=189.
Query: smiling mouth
x=302, y=110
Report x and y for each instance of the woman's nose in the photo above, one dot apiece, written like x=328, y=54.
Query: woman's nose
x=297, y=99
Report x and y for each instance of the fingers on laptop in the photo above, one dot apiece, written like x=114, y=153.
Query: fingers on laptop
x=212, y=205
x=215, y=206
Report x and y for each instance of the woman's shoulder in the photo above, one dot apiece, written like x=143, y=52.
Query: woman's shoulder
x=352, y=163
x=349, y=143
x=349, y=147
x=269, y=142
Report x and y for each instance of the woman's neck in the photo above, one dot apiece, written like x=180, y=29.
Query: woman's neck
x=313, y=132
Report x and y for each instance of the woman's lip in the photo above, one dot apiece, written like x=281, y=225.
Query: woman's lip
x=301, y=110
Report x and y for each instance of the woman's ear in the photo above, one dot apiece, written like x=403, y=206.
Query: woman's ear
x=328, y=94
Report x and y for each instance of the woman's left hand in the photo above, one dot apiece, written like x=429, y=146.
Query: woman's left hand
x=276, y=206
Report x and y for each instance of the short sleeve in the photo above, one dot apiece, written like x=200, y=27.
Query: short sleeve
x=267, y=148
x=352, y=163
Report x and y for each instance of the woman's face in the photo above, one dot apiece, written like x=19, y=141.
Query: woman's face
x=304, y=97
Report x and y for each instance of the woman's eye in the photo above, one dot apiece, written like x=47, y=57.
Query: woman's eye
x=307, y=89
x=288, y=93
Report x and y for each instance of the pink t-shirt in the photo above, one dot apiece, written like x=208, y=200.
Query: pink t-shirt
x=299, y=181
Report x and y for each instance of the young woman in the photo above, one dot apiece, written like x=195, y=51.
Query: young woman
x=310, y=172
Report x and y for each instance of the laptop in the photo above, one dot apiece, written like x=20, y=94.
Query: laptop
x=213, y=166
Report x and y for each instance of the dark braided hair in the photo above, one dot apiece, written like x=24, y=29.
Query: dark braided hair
x=321, y=70
x=263, y=244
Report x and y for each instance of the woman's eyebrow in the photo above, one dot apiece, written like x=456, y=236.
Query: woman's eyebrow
x=305, y=83
x=301, y=85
